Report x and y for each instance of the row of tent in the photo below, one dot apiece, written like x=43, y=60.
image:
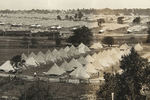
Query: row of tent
x=55, y=55
x=41, y=58
x=82, y=67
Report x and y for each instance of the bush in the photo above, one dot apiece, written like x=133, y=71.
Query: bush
x=108, y=40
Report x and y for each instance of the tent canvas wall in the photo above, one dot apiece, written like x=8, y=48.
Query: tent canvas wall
x=24, y=56
x=90, y=68
x=7, y=66
x=32, y=54
x=138, y=47
x=80, y=73
x=31, y=62
x=55, y=70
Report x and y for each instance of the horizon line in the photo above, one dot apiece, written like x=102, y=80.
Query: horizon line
x=74, y=9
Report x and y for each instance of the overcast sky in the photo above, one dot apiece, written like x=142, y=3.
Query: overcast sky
x=69, y=4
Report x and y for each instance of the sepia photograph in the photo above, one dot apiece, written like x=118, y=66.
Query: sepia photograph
x=74, y=49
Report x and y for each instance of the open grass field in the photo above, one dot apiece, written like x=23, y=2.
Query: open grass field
x=46, y=20
x=59, y=91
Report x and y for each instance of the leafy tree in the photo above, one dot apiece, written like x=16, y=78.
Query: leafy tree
x=127, y=86
x=75, y=16
x=80, y=15
x=58, y=17
x=137, y=20
x=120, y=20
x=37, y=91
x=100, y=21
x=70, y=18
x=108, y=40
x=15, y=60
x=81, y=35
x=66, y=17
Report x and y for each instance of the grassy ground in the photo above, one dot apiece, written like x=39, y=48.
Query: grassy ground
x=59, y=91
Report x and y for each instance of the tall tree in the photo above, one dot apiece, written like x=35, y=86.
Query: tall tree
x=81, y=35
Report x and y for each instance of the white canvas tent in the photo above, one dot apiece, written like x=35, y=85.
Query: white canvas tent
x=83, y=48
x=90, y=68
x=31, y=62
x=73, y=51
x=87, y=49
x=48, y=52
x=74, y=64
x=7, y=66
x=50, y=57
x=89, y=59
x=41, y=54
x=63, y=53
x=32, y=55
x=56, y=54
x=138, y=47
x=82, y=60
x=40, y=59
x=94, y=56
x=96, y=46
x=55, y=70
x=124, y=47
x=146, y=55
x=97, y=65
x=80, y=73
x=23, y=56
x=66, y=66
x=67, y=49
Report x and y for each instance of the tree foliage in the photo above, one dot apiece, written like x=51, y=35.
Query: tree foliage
x=120, y=20
x=58, y=17
x=137, y=20
x=108, y=40
x=78, y=16
x=100, y=21
x=81, y=35
x=15, y=60
x=127, y=86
